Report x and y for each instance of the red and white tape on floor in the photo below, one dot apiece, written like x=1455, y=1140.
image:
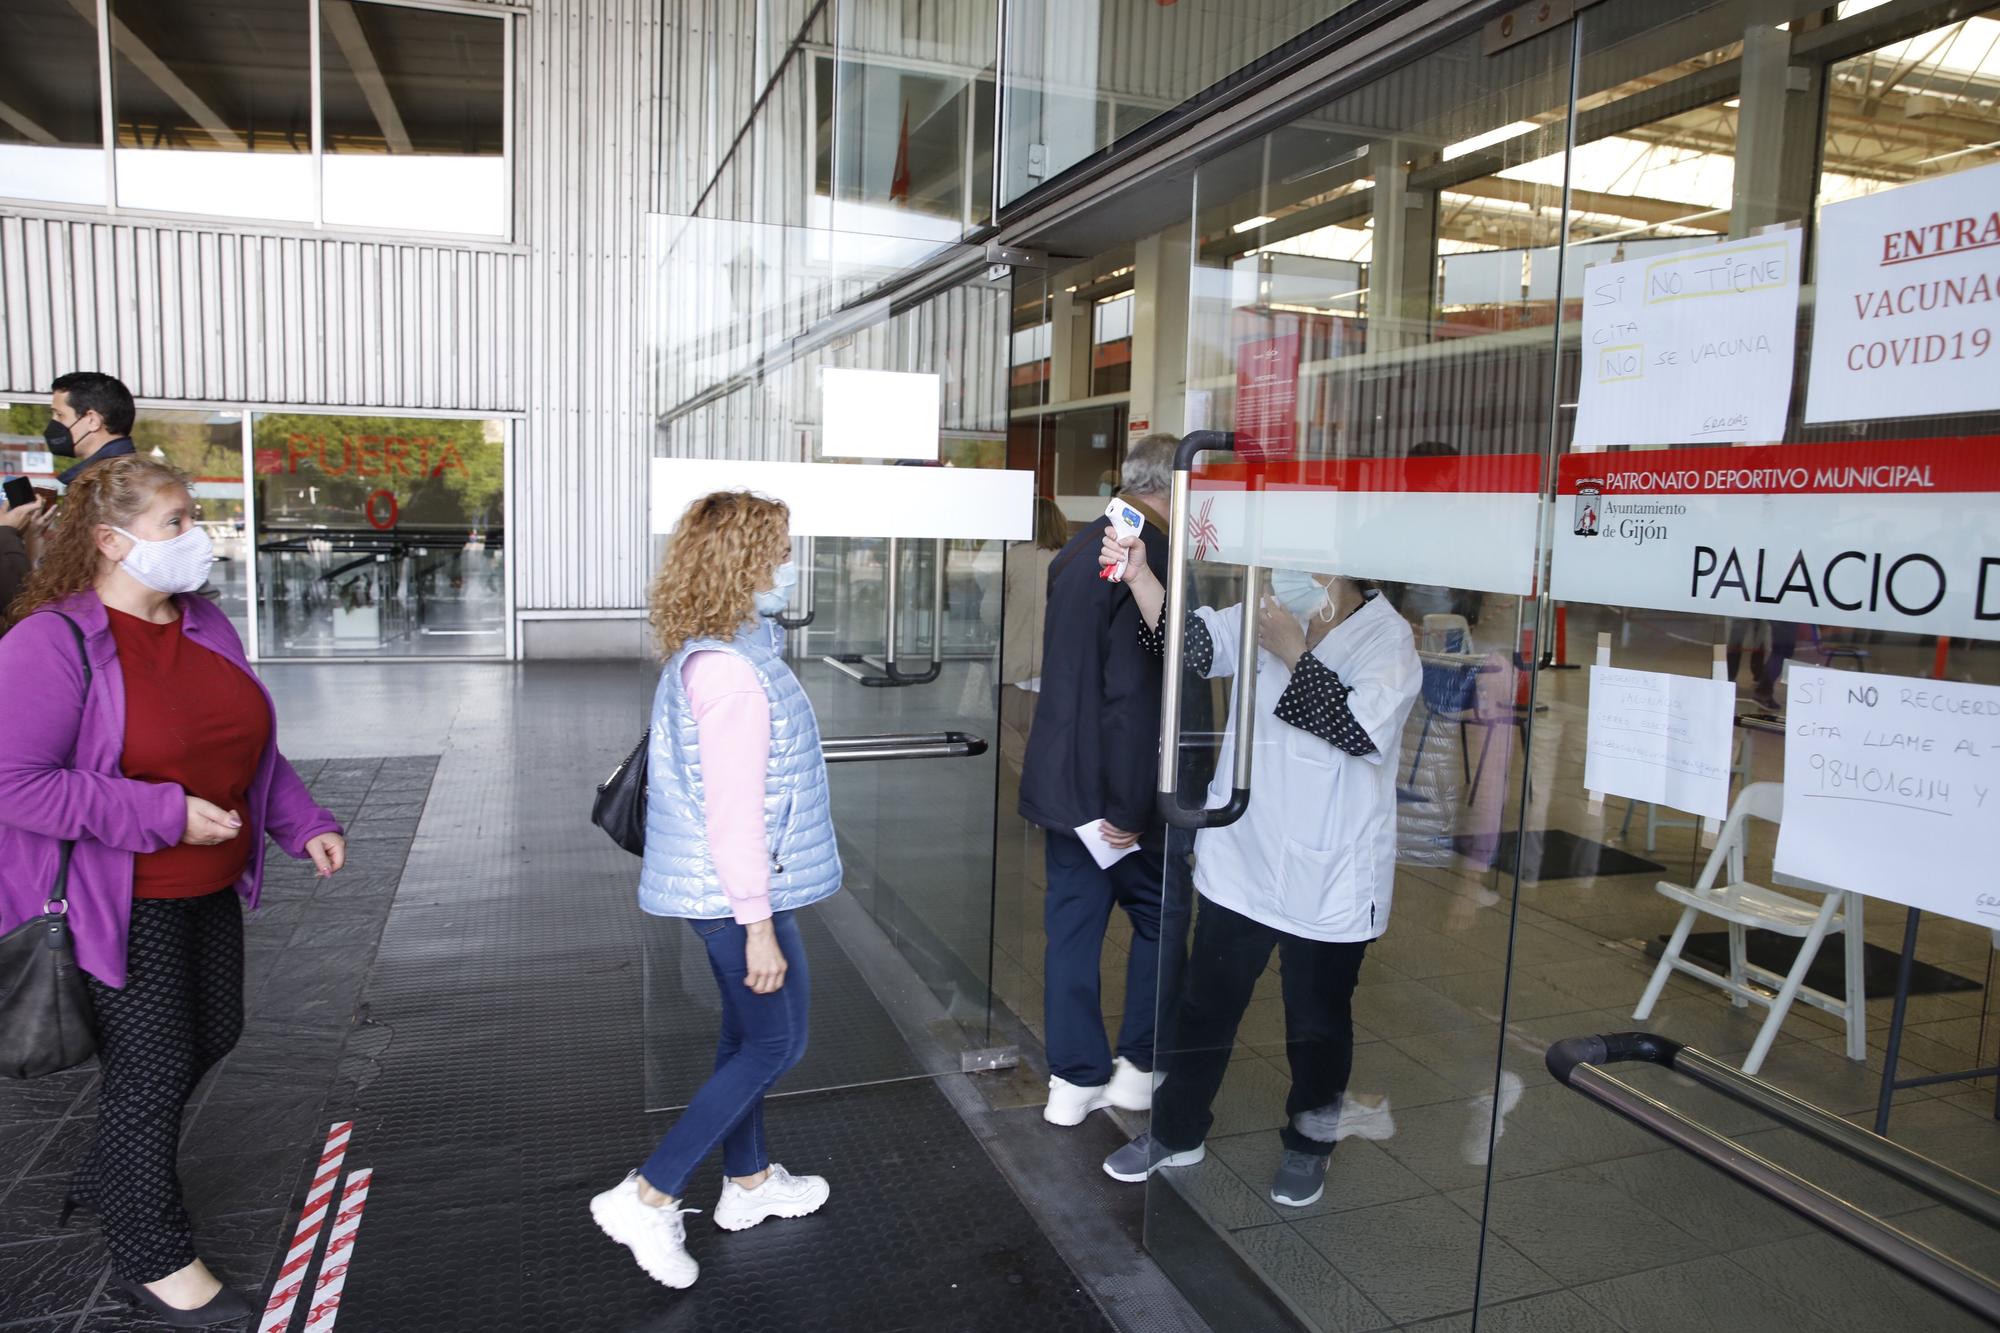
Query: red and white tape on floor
x=298, y=1267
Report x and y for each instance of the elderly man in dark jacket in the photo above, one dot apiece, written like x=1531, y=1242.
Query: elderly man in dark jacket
x=1091, y=760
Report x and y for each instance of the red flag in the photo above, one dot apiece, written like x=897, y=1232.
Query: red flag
x=899, y=180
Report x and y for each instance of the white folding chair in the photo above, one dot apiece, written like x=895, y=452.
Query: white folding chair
x=1747, y=906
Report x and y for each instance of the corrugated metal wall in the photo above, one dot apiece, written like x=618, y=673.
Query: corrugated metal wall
x=592, y=109
x=209, y=313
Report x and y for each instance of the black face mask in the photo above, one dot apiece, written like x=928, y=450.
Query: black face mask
x=60, y=441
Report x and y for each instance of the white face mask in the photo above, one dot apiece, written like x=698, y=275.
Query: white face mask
x=178, y=564
x=773, y=600
x=1302, y=594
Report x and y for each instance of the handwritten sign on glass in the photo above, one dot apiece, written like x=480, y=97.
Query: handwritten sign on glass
x=1691, y=347
x=1659, y=737
x=1892, y=788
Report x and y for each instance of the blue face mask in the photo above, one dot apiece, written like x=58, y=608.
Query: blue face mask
x=774, y=600
x=1301, y=594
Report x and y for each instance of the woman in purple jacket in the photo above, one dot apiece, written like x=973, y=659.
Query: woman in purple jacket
x=162, y=765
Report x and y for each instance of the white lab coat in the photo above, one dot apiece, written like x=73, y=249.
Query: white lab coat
x=1315, y=853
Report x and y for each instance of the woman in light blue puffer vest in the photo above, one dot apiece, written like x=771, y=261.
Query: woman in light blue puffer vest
x=739, y=837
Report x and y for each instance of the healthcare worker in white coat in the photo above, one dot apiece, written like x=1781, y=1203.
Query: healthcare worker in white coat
x=1309, y=869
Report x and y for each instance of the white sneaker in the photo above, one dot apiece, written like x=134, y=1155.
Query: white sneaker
x=1131, y=1088
x=1478, y=1147
x=1069, y=1104
x=1355, y=1119
x=656, y=1236
x=781, y=1195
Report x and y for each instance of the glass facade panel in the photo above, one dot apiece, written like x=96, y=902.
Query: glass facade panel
x=1079, y=76
x=414, y=108
x=380, y=536
x=51, y=126
x=212, y=106
x=904, y=121
x=1406, y=312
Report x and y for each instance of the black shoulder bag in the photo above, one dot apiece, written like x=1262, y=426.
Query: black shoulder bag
x=620, y=808
x=46, y=1021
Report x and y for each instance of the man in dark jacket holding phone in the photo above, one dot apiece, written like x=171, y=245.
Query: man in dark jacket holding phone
x=1091, y=760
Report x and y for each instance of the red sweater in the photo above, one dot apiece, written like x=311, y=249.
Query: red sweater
x=191, y=718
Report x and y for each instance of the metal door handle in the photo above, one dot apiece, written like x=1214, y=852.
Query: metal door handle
x=805, y=592
x=1245, y=699
x=1578, y=1063
x=901, y=745
x=890, y=673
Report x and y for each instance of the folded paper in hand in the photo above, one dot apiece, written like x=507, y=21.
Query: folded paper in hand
x=1101, y=851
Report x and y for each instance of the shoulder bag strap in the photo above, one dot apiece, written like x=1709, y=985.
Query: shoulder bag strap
x=60, y=890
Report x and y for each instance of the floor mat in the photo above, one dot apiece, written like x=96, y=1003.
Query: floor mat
x=498, y=1083
x=1551, y=854
x=307, y=951
x=1828, y=973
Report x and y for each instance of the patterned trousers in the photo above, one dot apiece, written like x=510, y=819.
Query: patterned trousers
x=180, y=1012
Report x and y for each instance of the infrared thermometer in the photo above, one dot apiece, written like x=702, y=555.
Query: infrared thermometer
x=1126, y=522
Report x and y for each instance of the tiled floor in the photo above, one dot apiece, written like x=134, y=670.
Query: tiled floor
x=1591, y=1222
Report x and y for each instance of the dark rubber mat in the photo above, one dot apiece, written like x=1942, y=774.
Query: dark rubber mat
x=496, y=1081
x=921, y=1232
x=307, y=951
x=1551, y=854
x=1828, y=973
x=853, y=1038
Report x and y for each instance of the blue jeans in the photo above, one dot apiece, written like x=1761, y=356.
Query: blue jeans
x=762, y=1037
x=1075, y=913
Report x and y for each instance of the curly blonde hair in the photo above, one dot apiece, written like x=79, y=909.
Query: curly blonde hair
x=114, y=492
x=720, y=552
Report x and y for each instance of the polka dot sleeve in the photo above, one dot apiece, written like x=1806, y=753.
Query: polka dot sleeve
x=1315, y=700
x=1197, y=647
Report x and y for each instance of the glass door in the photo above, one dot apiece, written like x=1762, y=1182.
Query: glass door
x=1564, y=404
x=776, y=369
x=1357, y=772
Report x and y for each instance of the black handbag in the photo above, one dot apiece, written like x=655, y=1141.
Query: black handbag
x=47, y=1023
x=620, y=808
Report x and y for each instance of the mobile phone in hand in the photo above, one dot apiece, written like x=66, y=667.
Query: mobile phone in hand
x=20, y=492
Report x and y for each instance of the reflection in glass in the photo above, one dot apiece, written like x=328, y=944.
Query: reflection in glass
x=1080, y=75
x=208, y=446
x=1387, y=439
x=51, y=126
x=413, y=102
x=905, y=121
x=380, y=535
x=212, y=107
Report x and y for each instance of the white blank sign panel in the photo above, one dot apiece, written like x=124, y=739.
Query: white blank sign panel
x=855, y=500
x=878, y=414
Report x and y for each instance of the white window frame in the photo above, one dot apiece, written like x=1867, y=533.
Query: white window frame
x=505, y=12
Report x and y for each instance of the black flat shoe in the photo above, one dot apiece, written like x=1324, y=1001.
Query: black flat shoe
x=228, y=1307
x=69, y=1205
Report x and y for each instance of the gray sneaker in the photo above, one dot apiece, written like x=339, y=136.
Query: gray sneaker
x=1144, y=1155
x=1301, y=1179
